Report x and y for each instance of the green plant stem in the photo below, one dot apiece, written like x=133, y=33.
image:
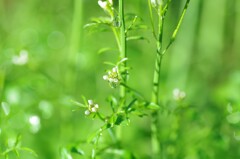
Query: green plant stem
x=177, y=27
x=123, y=53
x=75, y=44
x=116, y=37
x=151, y=18
x=155, y=141
x=158, y=62
x=156, y=147
x=156, y=152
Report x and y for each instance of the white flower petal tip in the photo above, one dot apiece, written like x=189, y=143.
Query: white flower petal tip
x=102, y=4
x=96, y=106
x=105, y=77
x=90, y=102
x=115, y=69
x=87, y=112
x=94, y=109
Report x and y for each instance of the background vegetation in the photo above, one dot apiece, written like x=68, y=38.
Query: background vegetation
x=62, y=63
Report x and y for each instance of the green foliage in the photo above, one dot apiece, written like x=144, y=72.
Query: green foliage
x=50, y=67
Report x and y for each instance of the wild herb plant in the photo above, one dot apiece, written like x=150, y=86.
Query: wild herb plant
x=130, y=101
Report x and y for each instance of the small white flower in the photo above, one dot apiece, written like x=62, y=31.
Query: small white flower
x=96, y=106
x=105, y=77
x=87, y=112
x=102, y=4
x=115, y=69
x=178, y=94
x=90, y=102
x=112, y=77
x=22, y=59
x=92, y=107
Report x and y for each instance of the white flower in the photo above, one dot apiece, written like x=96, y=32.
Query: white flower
x=96, y=106
x=112, y=77
x=87, y=112
x=115, y=69
x=178, y=94
x=90, y=102
x=105, y=77
x=22, y=59
x=102, y=4
x=92, y=107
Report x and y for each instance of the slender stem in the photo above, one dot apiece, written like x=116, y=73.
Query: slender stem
x=156, y=146
x=151, y=18
x=116, y=37
x=158, y=62
x=155, y=141
x=123, y=65
x=177, y=27
x=123, y=53
x=134, y=91
x=156, y=152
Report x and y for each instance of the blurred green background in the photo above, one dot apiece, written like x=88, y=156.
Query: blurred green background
x=47, y=59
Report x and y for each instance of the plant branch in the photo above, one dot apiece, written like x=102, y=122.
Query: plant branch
x=177, y=27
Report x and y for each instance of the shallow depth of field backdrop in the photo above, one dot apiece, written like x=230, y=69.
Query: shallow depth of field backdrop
x=60, y=62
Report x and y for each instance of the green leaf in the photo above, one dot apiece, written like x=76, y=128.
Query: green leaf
x=84, y=100
x=154, y=106
x=99, y=24
x=137, y=38
x=77, y=151
x=95, y=135
x=17, y=153
x=109, y=63
x=78, y=104
x=131, y=104
x=122, y=60
x=18, y=140
x=234, y=118
x=120, y=118
x=103, y=50
x=29, y=150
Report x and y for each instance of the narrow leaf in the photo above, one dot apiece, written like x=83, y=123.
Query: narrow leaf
x=153, y=106
x=29, y=150
x=137, y=38
x=77, y=151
